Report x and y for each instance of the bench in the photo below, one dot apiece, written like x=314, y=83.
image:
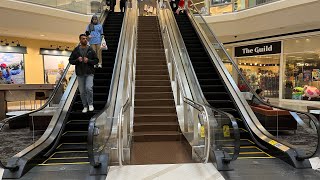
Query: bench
x=273, y=120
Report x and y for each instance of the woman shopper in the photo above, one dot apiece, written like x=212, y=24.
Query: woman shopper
x=95, y=34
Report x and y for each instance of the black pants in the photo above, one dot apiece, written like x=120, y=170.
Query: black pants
x=122, y=6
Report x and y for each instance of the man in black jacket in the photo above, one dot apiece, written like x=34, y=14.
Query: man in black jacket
x=84, y=57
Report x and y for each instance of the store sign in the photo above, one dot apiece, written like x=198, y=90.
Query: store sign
x=258, y=49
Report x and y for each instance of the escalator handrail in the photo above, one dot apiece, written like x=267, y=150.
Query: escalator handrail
x=231, y=117
x=92, y=122
x=128, y=101
x=312, y=117
x=54, y=92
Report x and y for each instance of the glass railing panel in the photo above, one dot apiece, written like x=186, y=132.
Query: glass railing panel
x=225, y=134
x=80, y=6
x=227, y=6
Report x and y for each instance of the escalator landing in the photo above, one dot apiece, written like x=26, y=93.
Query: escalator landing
x=253, y=169
x=79, y=172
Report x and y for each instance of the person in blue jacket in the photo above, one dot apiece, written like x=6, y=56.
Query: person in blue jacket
x=7, y=72
x=95, y=34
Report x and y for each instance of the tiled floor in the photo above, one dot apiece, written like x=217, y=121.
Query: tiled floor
x=165, y=171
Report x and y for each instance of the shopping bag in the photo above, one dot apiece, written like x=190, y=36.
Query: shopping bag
x=103, y=45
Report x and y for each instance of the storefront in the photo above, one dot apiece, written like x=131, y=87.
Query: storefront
x=54, y=64
x=282, y=67
x=12, y=64
x=260, y=65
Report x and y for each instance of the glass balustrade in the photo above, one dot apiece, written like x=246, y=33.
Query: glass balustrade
x=77, y=6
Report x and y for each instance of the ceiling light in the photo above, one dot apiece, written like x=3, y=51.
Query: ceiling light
x=42, y=35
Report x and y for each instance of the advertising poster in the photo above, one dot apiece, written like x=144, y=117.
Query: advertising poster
x=54, y=67
x=315, y=75
x=12, y=67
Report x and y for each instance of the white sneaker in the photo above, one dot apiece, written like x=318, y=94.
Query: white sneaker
x=85, y=110
x=91, y=108
x=99, y=65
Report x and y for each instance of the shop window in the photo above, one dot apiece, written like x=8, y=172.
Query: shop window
x=12, y=67
x=262, y=72
x=54, y=67
x=300, y=69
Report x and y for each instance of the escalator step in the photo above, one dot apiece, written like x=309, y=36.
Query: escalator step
x=72, y=147
x=74, y=137
x=80, y=125
x=72, y=160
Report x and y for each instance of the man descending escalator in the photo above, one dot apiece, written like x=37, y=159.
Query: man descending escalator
x=84, y=58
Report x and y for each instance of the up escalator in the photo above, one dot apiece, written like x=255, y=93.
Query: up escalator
x=213, y=87
x=256, y=143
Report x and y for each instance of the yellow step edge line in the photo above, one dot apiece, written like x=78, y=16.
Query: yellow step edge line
x=69, y=143
x=71, y=158
x=250, y=153
x=244, y=147
x=72, y=131
x=48, y=158
x=255, y=157
x=247, y=147
x=54, y=164
x=265, y=152
x=241, y=129
x=61, y=152
x=240, y=140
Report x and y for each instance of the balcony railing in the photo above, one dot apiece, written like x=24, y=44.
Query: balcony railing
x=77, y=6
x=228, y=6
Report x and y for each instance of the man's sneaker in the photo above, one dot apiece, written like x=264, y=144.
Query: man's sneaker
x=99, y=65
x=91, y=108
x=85, y=110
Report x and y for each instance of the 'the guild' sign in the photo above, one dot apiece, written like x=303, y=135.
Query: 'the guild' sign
x=258, y=49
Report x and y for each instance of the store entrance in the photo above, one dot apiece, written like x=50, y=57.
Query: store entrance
x=262, y=72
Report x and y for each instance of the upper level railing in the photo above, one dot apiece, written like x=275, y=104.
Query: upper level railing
x=77, y=6
x=227, y=6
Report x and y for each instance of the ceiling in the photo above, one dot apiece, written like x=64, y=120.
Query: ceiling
x=26, y=20
x=38, y=22
x=271, y=19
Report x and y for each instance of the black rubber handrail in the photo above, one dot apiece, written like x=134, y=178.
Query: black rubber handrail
x=312, y=118
x=91, y=128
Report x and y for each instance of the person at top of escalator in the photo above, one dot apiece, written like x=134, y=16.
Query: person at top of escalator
x=94, y=32
x=256, y=101
x=84, y=58
x=174, y=5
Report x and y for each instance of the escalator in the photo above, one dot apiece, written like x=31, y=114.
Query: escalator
x=72, y=148
x=213, y=87
x=67, y=144
x=255, y=157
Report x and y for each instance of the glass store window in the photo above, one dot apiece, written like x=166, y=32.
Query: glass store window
x=262, y=72
x=302, y=66
x=54, y=67
x=260, y=64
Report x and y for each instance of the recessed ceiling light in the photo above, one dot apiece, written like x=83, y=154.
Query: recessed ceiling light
x=42, y=35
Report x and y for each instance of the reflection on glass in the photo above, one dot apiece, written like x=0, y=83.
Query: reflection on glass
x=302, y=72
x=262, y=72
